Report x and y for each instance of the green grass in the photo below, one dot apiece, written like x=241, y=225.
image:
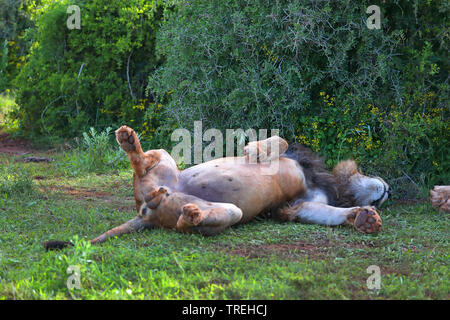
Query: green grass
x=260, y=260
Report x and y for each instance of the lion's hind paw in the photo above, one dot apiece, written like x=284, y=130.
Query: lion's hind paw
x=127, y=138
x=192, y=216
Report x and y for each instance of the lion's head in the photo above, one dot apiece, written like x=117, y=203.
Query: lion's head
x=152, y=200
x=356, y=189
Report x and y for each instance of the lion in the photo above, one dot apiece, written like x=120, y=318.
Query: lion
x=209, y=197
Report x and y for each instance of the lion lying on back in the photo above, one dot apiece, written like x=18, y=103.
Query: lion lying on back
x=212, y=196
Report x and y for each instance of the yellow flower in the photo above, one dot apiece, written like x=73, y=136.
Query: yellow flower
x=302, y=139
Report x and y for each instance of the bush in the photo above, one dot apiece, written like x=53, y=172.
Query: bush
x=94, y=153
x=261, y=64
x=314, y=70
x=74, y=79
x=16, y=18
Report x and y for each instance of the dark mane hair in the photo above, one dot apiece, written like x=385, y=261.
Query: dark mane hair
x=316, y=174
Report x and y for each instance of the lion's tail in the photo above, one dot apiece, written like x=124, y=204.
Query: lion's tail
x=56, y=244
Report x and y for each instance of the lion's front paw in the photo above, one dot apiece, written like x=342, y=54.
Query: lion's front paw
x=127, y=138
x=192, y=216
x=252, y=151
x=365, y=219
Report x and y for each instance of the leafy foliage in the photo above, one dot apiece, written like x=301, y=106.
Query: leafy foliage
x=16, y=19
x=76, y=78
x=94, y=153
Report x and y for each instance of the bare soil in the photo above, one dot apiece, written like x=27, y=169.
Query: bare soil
x=14, y=146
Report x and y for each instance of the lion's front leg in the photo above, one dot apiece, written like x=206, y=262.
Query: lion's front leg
x=265, y=150
x=364, y=219
x=132, y=225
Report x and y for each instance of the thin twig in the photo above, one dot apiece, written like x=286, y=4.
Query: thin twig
x=128, y=75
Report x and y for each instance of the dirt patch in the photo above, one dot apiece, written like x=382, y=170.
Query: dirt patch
x=14, y=146
x=319, y=249
x=79, y=192
x=89, y=194
x=400, y=270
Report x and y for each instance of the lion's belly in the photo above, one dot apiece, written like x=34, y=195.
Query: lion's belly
x=244, y=185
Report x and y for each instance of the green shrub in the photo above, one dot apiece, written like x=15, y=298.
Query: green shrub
x=260, y=63
x=3, y=65
x=94, y=153
x=16, y=18
x=309, y=68
x=74, y=79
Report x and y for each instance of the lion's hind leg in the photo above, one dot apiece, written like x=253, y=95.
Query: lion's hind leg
x=129, y=141
x=209, y=220
x=364, y=219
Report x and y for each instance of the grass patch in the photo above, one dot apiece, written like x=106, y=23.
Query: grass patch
x=95, y=152
x=259, y=260
x=15, y=182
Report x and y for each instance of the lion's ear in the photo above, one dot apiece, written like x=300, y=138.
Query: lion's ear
x=345, y=169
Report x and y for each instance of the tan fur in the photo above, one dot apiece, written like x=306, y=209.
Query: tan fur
x=344, y=170
x=140, y=162
x=260, y=151
x=440, y=198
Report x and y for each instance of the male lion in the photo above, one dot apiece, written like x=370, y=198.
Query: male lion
x=211, y=196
